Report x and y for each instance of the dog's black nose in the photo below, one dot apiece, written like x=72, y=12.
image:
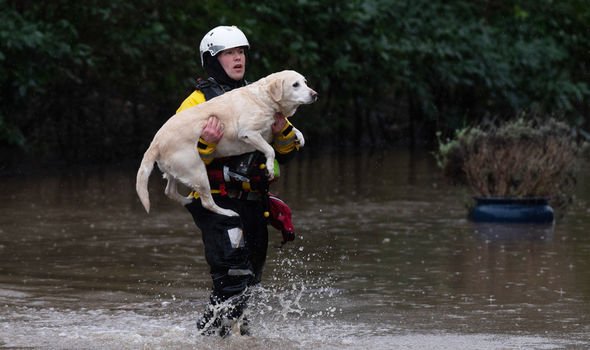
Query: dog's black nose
x=314, y=95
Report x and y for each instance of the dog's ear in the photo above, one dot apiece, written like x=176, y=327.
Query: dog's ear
x=276, y=90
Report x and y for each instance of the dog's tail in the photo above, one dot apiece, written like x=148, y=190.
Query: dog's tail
x=143, y=175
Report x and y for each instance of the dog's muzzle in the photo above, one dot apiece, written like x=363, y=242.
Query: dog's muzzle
x=314, y=96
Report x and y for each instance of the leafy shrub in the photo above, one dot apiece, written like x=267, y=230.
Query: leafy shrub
x=518, y=158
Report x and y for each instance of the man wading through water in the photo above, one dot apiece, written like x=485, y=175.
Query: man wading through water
x=235, y=247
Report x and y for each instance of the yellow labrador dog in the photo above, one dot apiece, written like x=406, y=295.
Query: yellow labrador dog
x=247, y=114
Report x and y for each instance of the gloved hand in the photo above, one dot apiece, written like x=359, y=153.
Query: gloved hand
x=280, y=218
x=288, y=236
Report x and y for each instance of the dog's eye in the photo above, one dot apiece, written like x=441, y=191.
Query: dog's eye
x=296, y=85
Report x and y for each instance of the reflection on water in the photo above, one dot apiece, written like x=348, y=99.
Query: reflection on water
x=385, y=258
x=513, y=232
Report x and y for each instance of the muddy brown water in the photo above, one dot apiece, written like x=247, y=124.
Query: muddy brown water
x=384, y=259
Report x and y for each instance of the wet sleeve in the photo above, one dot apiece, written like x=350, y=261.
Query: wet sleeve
x=285, y=143
x=206, y=150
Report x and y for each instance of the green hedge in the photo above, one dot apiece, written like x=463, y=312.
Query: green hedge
x=93, y=80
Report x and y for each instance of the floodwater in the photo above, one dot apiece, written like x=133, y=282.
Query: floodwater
x=384, y=259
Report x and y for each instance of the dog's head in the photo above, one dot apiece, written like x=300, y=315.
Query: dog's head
x=289, y=90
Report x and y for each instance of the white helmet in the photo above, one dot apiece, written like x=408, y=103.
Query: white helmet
x=222, y=38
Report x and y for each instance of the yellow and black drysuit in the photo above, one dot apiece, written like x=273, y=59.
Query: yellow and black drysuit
x=235, y=247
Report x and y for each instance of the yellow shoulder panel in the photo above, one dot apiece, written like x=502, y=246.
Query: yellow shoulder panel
x=194, y=99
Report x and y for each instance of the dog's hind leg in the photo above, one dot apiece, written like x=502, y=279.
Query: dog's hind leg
x=195, y=176
x=208, y=203
x=172, y=190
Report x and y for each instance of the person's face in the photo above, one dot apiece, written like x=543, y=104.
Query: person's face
x=233, y=62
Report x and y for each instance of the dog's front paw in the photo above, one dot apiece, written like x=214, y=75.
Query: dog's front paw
x=300, y=140
x=270, y=168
